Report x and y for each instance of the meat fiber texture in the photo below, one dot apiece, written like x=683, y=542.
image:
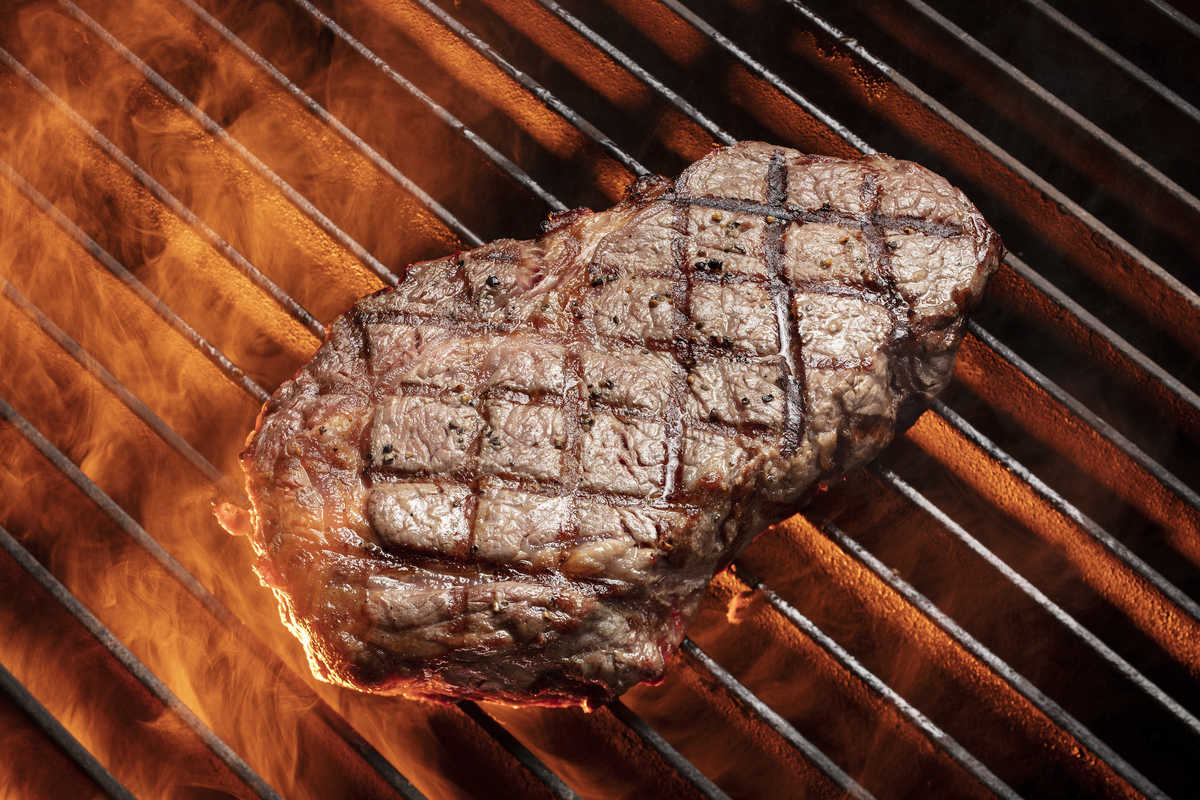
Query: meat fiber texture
x=512, y=476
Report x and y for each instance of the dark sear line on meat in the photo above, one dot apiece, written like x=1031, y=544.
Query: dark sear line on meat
x=512, y=476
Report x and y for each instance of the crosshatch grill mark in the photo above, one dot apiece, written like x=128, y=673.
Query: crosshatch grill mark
x=777, y=215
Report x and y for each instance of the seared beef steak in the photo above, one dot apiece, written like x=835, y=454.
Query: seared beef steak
x=512, y=476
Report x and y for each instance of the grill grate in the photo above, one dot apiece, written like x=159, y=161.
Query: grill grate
x=1161, y=299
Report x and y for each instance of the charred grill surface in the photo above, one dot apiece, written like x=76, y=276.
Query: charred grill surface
x=512, y=476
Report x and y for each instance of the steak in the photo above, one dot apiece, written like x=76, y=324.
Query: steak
x=512, y=476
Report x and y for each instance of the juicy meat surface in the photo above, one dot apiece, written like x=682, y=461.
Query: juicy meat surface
x=512, y=476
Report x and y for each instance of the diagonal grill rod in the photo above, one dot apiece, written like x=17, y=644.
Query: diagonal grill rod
x=220, y=134
x=672, y=756
x=495, y=156
x=231, y=254
x=131, y=401
x=321, y=113
x=219, y=359
x=1047, y=98
x=1120, y=61
x=121, y=653
x=536, y=89
x=1068, y=401
x=1022, y=685
x=1114, y=660
x=1069, y=510
x=777, y=723
x=523, y=754
x=930, y=729
x=42, y=717
x=1176, y=16
x=644, y=76
x=1091, y=322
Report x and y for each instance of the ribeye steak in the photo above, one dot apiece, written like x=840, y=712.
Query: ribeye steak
x=512, y=476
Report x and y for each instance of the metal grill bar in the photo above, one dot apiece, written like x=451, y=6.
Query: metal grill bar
x=143, y=412
x=1110, y=542
x=1161, y=473
x=454, y=123
x=1093, y=323
x=58, y=734
x=161, y=192
x=1048, y=98
x=128, y=660
x=219, y=133
x=1045, y=603
x=536, y=89
x=319, y=111
x=635, y=68
x=1176, y=16
x=1022, y=685
x=672, y=756
x=810, y=107
x=520, y=752
x=152, y=300
x=118, y=515
x=936, y=735
x=777, y=723
x=1127, y=66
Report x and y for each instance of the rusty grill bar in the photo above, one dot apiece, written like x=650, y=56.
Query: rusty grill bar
x=1179, y=297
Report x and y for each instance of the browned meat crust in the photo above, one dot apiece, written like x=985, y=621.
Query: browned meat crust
x=512, y=476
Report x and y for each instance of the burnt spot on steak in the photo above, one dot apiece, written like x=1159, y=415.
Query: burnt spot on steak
x=512, y=476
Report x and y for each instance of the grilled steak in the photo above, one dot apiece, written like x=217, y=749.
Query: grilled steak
x=512, y=476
